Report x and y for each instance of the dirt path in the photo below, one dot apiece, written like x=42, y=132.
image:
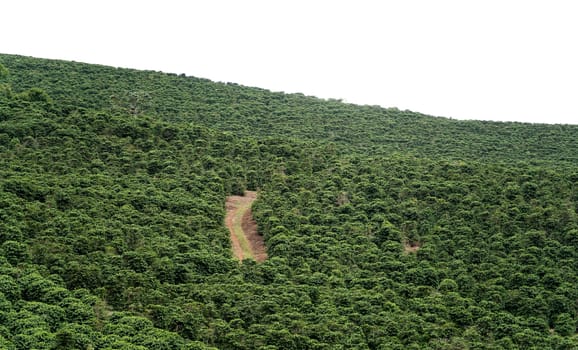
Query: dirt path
x=245, y=240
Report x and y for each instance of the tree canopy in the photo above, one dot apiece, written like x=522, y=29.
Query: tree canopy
x=385, y=229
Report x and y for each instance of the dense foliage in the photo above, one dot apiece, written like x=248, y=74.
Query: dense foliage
x=385, y=229
x=256, y=112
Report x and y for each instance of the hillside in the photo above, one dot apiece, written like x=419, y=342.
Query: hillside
x=259, y=113
x=385, y=229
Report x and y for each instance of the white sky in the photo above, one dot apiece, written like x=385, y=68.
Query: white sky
x=493, y=60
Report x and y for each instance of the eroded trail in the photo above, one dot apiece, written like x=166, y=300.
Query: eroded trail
x=245, y=240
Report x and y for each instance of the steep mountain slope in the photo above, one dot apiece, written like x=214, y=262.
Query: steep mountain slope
x=112, y=203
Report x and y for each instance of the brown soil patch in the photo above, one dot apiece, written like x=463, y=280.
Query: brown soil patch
x=240, y=207
x=411, y=247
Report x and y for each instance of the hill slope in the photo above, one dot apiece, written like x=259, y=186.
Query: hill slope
x=112, y=211
x=257, y=113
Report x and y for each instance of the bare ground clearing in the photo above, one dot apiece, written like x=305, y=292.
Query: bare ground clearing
x=246, y=242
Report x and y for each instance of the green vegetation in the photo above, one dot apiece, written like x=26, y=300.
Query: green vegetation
x=112, y=200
